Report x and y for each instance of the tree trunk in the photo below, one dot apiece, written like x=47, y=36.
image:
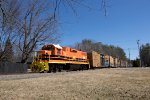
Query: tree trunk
x=24, y=58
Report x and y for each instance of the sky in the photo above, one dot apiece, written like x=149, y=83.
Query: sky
x=126, y=22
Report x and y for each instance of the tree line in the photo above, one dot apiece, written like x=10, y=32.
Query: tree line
x=88, y=45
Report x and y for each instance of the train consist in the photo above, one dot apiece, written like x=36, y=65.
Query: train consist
x=52, y=58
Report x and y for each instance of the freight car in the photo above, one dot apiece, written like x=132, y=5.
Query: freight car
x=94, y=59
x=115, y=62
x=56, y=58
x=109, y=60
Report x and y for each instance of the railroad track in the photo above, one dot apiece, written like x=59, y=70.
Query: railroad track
x=35, y=75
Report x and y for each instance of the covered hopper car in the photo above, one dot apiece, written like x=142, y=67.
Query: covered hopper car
x=56, y=58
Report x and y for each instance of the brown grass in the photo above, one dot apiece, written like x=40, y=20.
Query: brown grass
x=101, y=84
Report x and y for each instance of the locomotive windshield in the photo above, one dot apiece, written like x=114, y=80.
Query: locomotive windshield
x=40, y=55
x=48, y=47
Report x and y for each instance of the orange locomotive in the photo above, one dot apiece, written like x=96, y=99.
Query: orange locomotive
x=56, y=58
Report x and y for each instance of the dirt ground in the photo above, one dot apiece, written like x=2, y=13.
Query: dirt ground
x=100, y=84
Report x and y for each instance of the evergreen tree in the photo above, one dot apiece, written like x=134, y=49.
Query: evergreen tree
x=145, y=54
x=8, y=51
x=136, y=62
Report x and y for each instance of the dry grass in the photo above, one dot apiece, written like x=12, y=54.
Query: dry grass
x=101, y=84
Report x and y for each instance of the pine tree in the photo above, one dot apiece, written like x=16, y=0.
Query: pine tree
x=1, y=51
x=8, y=51
x=145, y=54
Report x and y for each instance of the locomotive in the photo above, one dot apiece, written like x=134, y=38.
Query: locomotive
x=52, y=58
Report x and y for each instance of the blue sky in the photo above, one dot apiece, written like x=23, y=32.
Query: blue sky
x=126, y=22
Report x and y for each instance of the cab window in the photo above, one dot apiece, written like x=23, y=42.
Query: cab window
x=58, y=51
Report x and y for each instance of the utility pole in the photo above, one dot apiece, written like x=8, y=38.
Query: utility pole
x=138, y=43
x=109, y=61
x=129, y=56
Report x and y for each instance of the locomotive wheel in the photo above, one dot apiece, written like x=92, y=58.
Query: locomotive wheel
x=50, y=68
x=53, y=68
x=59, y=69
x=87, y=67
x=81, y=68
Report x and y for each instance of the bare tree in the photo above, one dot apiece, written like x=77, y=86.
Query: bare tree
x=8, y=16
x=85, y=45
x=37, y=25
x=104, y=6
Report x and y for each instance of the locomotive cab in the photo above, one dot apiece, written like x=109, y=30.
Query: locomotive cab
x=42, y=57
x=55, y=49
x=40, y=61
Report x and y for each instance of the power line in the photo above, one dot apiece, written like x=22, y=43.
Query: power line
x=129, y=53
